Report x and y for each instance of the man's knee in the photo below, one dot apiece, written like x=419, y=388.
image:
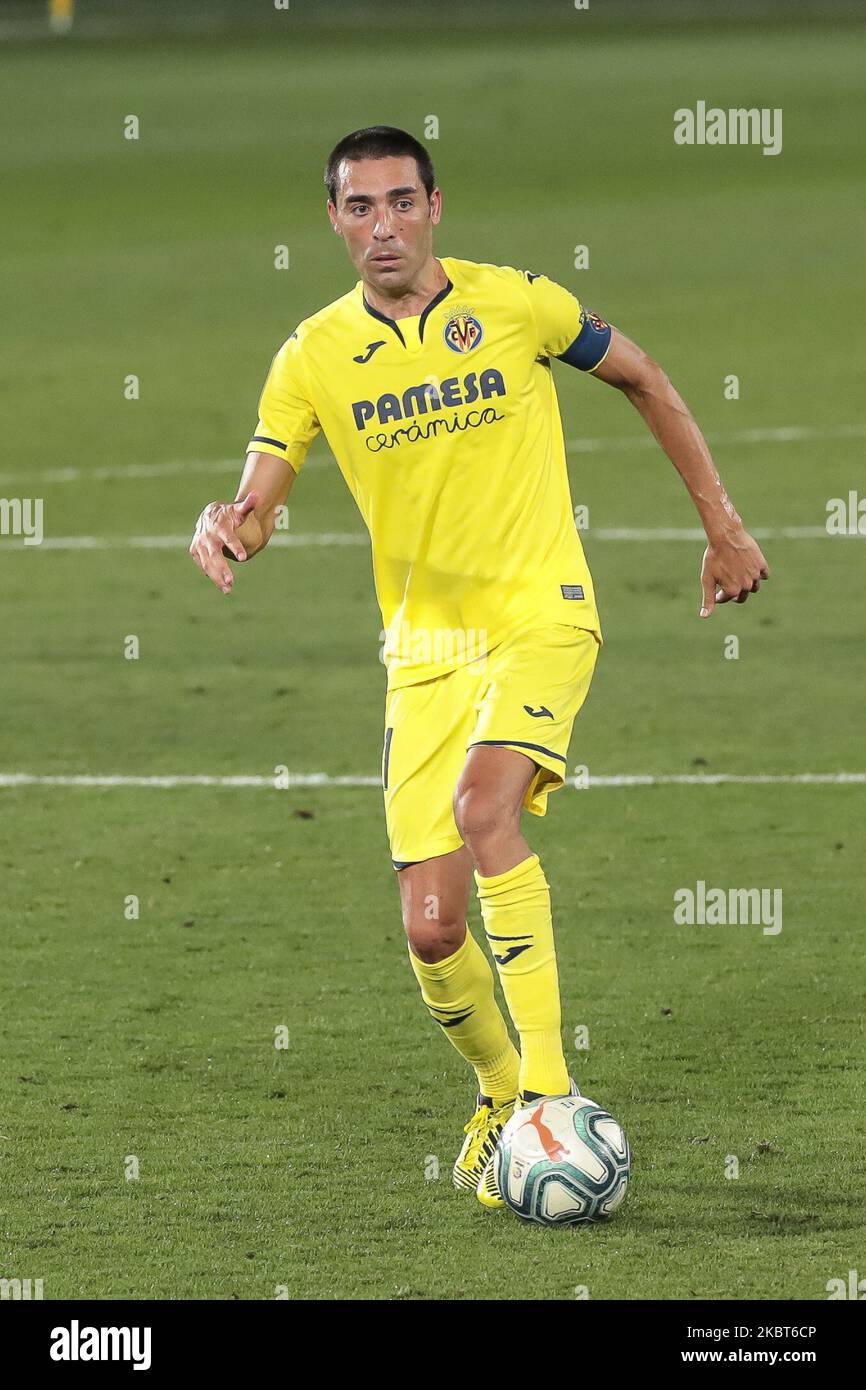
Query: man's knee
x=434, y=897
x=434, y=940
x=481, y=814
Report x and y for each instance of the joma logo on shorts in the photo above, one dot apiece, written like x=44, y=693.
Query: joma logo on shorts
x=417, y=400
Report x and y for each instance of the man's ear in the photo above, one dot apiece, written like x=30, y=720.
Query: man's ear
x=332, y=217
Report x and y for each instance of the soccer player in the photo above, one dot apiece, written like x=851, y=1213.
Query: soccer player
x=432, y=381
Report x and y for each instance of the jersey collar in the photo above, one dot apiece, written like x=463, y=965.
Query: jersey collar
x=394, y=323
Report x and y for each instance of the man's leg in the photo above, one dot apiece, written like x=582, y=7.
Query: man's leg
x=453, y=972
x=515, y=906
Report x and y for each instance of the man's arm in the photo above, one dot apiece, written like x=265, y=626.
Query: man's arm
x=733, y=564
x=240, y=529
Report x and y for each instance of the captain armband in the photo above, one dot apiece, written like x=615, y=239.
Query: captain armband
x=590, y=347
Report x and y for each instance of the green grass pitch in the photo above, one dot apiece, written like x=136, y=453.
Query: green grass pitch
x=312, y=1167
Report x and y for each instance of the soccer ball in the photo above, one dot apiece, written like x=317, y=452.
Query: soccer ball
x=562, y=1161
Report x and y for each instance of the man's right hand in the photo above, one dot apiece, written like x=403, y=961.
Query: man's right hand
x=218, y=526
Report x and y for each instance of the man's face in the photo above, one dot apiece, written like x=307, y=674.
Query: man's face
x=386, y=219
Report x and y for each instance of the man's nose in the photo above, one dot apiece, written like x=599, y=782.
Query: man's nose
x=382, y=226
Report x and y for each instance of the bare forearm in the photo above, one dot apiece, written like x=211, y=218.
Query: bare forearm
x=733, y=565
x=269, y=478
x=677, y=431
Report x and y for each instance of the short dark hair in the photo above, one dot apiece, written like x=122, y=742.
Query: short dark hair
x=378, y=142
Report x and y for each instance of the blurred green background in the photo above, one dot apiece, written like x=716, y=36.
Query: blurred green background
x=156, y=257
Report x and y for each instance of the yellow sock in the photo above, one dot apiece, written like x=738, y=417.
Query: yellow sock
x=516, y=911
x=458, y=991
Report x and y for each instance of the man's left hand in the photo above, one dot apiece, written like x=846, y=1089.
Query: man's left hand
x=733, y=568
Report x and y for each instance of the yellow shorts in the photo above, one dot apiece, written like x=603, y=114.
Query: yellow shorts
x=524, y=694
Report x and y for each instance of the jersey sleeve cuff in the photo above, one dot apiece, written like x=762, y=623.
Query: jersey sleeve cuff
x=268, y=444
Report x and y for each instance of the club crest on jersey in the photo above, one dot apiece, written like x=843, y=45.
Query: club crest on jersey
x=463, y=332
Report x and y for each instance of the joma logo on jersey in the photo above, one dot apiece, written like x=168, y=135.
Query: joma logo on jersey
x=463, y=332
x=417, y=400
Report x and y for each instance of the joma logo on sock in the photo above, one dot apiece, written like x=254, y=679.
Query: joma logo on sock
x=512, y=951
x=736, y=126
x=77, y=1343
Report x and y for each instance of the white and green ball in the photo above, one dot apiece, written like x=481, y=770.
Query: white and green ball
x=563, y=1161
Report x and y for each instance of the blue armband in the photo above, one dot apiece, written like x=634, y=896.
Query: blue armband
x=590, y=346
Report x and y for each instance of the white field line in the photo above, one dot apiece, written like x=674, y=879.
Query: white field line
x=783, y=434
x=322, y=779
x=326, y=538
x=304, y=540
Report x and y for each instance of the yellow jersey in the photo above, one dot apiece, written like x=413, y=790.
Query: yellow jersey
x=446, y=428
